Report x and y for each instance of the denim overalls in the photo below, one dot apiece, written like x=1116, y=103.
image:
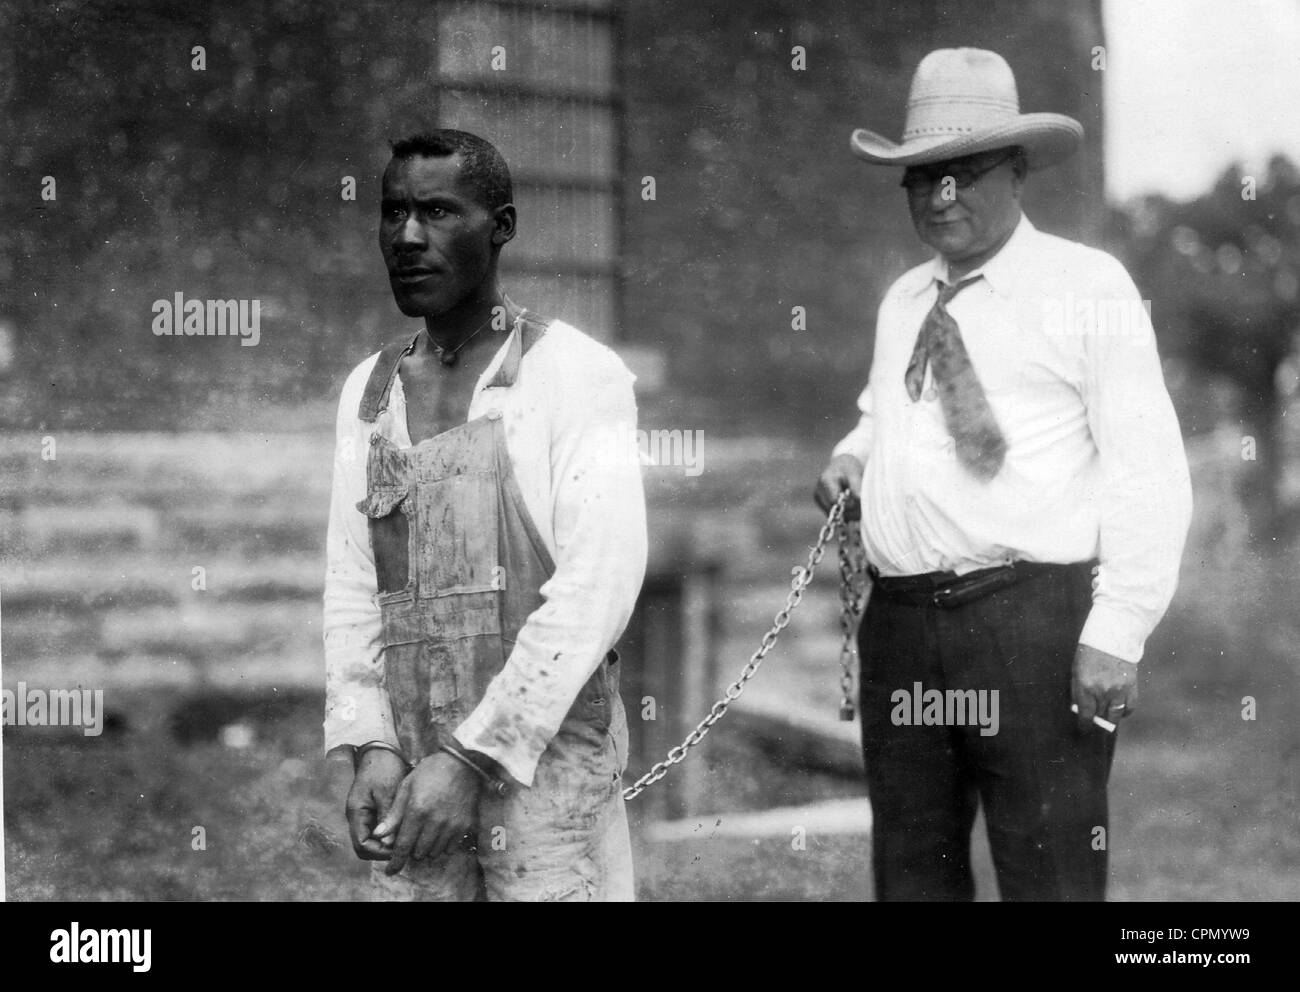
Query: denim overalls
x=459, y=564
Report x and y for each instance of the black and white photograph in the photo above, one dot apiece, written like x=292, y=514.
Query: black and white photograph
x=675, y=452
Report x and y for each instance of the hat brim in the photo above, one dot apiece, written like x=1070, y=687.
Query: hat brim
x=1046, y=139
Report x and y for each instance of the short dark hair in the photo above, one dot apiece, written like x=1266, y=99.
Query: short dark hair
x=482, y=166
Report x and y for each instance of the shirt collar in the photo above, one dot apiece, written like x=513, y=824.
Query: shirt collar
x=1000, y=271
x=501, y=371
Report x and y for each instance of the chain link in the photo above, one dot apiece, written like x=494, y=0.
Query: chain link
x=802, y=577
x=853, y=590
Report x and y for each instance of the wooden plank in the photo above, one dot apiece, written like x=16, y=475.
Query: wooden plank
x=804, y=739
x=831, y=816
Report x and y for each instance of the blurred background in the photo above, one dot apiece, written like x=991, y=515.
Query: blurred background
x=683, y=187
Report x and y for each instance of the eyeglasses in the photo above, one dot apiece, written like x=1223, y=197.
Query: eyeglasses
x=922, y=180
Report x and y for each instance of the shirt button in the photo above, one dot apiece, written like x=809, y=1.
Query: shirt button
x=930, y=394
x=494, y=415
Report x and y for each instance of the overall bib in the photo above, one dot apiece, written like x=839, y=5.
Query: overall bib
x=460, y=563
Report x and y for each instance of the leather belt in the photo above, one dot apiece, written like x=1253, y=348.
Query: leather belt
x=948, y=590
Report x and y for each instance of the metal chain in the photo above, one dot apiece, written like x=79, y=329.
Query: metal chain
x=852, y=593
x=803, y=576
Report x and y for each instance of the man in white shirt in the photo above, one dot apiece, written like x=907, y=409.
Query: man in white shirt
x=1015, y=431
x=485, y=552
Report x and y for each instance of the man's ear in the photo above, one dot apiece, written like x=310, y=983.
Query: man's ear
x=1017, y=186
x=1020, y=169
x=505, y=219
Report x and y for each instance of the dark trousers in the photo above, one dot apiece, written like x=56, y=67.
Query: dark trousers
x=1041, y=780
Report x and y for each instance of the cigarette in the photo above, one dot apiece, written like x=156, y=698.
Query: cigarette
x=1105, y=725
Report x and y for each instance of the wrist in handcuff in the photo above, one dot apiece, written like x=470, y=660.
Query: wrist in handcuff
x=359, y=752
x=493, y=783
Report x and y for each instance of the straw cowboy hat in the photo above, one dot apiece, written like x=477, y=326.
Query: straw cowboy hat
x=964, y=101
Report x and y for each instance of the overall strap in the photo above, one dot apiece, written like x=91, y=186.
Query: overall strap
x=374, y=400
x=528, y=330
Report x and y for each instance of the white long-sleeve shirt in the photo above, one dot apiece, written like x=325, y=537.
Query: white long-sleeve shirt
x=572, y=395
x=1060, y=340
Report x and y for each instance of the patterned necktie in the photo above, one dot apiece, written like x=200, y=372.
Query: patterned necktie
x=980, y=445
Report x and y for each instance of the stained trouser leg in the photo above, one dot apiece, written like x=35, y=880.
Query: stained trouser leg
x=455, y=877
x=923, y=798
x=564, y=838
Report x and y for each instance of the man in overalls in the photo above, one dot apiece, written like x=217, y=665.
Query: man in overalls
x=486, y=546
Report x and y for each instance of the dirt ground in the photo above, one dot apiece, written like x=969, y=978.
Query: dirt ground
x=99, y=551
x=115, y=819
x=1204, y=806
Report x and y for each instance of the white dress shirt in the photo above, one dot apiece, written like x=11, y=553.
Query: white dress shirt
x=571, y=395
x=1064, y=349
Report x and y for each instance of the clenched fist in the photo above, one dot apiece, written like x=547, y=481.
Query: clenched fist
x=843, y=472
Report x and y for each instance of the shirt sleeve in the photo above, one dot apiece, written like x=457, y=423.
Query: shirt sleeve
x=858, y=441
x=1145, y=491
x=600, y=537
x=357, y=709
